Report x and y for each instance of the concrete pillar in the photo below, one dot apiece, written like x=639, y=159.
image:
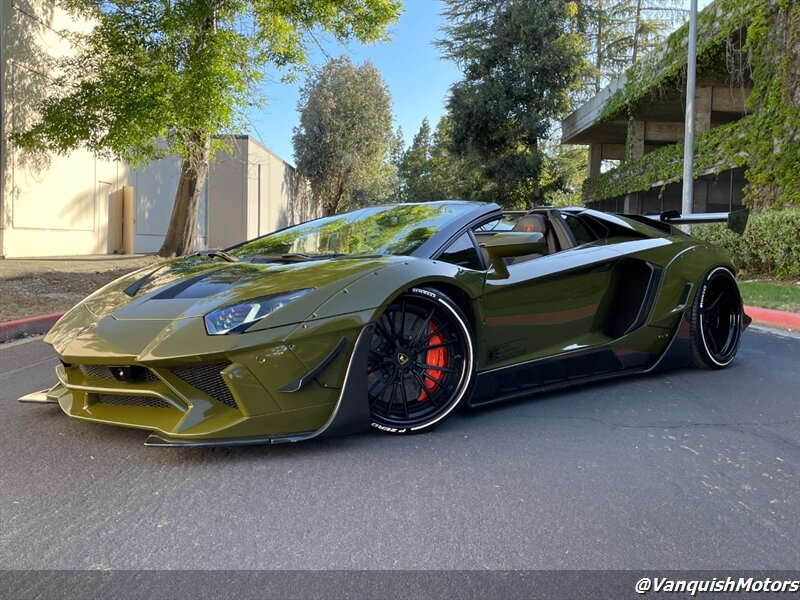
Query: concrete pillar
x=636, y=136
x=595, y=159
x=702, y=105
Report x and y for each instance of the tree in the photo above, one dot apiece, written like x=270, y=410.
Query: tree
x=619, y=32
x=521, y=61
x=157, y=78
x=344, y=140
x=415, y=165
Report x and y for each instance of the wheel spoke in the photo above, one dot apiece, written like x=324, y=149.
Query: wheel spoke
x=716, y=300
x=390, y=323
x=422, y=328
x=405, y=399
x=403, y=321
x=422, y=386
x=712, y=340
x=435, y=368
x=434, y=346
x=391, y=397
x=432, y=378
x=388, y=337
x=433, y=333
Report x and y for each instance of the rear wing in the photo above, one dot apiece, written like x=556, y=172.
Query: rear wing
x=736, y=220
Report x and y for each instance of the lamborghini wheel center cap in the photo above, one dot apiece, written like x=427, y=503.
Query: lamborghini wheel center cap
x=402, y=358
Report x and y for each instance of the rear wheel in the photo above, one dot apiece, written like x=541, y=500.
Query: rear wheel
x=421, y=362
x=717, y=315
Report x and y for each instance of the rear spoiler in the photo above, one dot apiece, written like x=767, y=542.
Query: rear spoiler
x=736, y=220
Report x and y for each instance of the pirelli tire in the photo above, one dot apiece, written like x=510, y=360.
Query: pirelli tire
x=716, y=320
x=421, y=362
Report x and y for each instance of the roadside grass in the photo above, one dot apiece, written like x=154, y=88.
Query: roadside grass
x=770, y=294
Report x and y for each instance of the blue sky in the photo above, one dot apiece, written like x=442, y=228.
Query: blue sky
x=417, y=77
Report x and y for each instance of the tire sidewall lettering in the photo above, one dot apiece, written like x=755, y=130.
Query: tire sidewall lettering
x=717, y=272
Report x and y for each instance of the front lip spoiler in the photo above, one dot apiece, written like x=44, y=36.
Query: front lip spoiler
x=40, y=397
x=351, y=414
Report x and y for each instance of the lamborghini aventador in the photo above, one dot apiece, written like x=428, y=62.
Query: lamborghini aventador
x=391, y=317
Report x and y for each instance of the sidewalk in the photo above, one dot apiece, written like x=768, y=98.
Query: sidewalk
x=30, y=287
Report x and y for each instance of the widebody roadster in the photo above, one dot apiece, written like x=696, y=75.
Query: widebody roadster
x=391, y=317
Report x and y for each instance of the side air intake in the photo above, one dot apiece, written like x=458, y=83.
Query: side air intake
x=208, y=379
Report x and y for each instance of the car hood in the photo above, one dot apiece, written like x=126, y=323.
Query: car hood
x=156, y=312
x=194, y=286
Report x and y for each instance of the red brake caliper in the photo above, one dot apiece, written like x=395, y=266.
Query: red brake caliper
x=436, y=357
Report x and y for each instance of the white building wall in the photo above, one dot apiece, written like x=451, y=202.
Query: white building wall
x=154, y=194
x=251, y=192
x=59, y=205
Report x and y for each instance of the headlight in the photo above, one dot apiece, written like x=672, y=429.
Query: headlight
x=236, y=318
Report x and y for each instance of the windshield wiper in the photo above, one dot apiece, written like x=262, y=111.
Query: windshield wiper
x=293, y=257
x=218, y=254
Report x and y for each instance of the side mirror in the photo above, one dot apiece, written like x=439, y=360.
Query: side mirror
x=510, y=244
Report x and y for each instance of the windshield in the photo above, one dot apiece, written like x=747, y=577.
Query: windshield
x=399, y=229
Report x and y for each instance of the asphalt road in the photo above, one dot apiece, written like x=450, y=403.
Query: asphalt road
x=691, y=469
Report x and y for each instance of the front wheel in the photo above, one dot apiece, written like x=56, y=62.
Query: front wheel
x=717, y=320
x=421, y=362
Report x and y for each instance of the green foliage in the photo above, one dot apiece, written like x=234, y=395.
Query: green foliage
x=521, y=61
x=766, y=142
x=620, y=31
x=563, y=173
x=415, y=167
x=716, y=150
x=769, y=246
x=344, y=142
x=667, y=66
x=429, y=170
x=156, y=78
x=769, y=294
x=154, y=75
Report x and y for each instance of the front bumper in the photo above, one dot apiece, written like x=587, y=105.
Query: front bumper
x=246, y=394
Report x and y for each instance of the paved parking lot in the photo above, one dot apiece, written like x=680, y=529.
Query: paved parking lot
x=688, y=469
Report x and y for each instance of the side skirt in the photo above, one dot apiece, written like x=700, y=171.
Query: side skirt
x=550, y=374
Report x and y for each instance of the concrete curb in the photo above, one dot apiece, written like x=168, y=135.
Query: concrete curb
x=775, y=318
x=12, y=330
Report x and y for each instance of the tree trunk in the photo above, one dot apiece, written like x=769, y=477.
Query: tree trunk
x=182, y=230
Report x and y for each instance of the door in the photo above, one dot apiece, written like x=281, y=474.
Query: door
x=547, y=306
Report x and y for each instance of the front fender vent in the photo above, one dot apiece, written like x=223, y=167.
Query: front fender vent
x=207, y=378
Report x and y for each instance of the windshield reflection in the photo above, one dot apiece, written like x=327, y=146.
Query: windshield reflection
x=398, y=230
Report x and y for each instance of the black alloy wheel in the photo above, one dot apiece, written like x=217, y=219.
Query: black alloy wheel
x=421, y=362
x=717, y=320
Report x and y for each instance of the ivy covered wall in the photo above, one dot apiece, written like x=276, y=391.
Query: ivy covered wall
x=767, y=141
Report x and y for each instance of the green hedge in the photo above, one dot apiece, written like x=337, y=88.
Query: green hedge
x=770, y=245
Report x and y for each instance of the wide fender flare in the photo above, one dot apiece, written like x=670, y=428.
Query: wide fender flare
x=376, y=290
x=682, y=275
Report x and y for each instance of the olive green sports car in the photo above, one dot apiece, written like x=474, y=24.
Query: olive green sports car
x=391, y=317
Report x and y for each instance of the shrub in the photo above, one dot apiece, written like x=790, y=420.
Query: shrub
x=770, y=245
